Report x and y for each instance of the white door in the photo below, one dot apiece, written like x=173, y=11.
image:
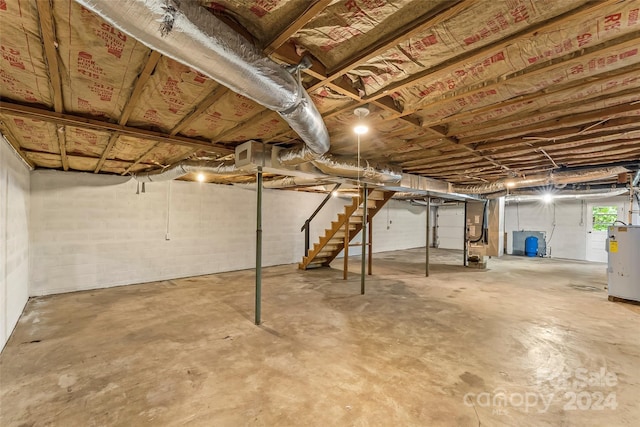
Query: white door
x=599, y=217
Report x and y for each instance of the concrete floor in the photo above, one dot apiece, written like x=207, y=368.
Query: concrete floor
x=528, y=342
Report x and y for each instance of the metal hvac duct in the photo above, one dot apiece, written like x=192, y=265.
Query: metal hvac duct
x=636, y=180
x=348, y=167
x=189, y=166
x=186, y=32
x=557, y=178
x=293, y=181
x=570, y=195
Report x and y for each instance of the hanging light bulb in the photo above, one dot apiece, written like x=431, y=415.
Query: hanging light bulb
x=361, y=129
x=361, y=112
x=200, y=177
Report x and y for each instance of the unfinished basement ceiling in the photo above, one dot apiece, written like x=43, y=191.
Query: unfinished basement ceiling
x=462, y=91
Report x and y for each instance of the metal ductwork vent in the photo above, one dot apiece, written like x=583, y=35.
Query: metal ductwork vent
x=188, y=33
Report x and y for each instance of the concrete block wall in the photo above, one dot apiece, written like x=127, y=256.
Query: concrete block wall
x=14, y=239
x=92, y=231
x=400, y=225
x=567, y=240
x=569, y=237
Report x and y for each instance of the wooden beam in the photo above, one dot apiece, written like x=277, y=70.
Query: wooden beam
x=112, y=140
x=610, y=98
x=567, y=135
x=557, y=122
x=71, y=120
x=150, y=65
x=49, y=40
x=439, y=14
x=575, y=146
x=62, y=144
x=257, y=116
x=11, y=139
x=311, y=12
x=218, y=93
x=452, y=64
x=139, y=159
x=529, y=73
x=144, y=76
x=551, y=92
x=287, y=53
x=187, y=120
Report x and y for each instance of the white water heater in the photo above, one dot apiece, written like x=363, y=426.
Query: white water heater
x=623, y=270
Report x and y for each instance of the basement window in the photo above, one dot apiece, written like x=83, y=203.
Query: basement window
x=603, y=217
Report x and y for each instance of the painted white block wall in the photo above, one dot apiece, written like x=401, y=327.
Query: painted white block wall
x=400, y=225
x=91, y=231
x=14, y=239
x=569, y=238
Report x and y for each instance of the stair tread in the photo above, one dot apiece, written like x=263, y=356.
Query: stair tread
x=332, y=241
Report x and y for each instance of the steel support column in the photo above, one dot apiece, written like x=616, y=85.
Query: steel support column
x=258, y=246
x=427, y=244
x=363, y=269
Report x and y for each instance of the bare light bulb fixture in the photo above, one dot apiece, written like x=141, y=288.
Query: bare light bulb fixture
x=360, y=129
x=361, y=112
x=200, y=177
x=547, y=198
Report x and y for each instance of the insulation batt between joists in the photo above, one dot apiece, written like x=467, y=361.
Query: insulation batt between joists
x=629, y=80
x=23, y=71
x=592, y=29
x=476, y=26
x=170, y=94
x=99, y=63
x=200, y=40
x=534, y=119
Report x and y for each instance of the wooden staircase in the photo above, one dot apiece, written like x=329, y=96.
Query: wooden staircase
x=333, y=240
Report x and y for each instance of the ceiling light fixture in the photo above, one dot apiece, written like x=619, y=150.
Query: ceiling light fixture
x=360, y=129
x=361, y=112
x=547, y=198
x=200, y=177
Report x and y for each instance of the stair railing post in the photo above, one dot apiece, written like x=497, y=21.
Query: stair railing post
x=306, y=238
x=307, y=223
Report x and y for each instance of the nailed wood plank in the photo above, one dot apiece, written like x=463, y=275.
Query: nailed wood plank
x=68, y=119
x=557, y=91
x=49, y=40
x=439, y=14
x=311, y=12
x=140, y=159
x=476, y=54
x=529, y=73
x=62, y=144
x=112, y=140
x=559, y=122
x=150, y=65
x=218, y=93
